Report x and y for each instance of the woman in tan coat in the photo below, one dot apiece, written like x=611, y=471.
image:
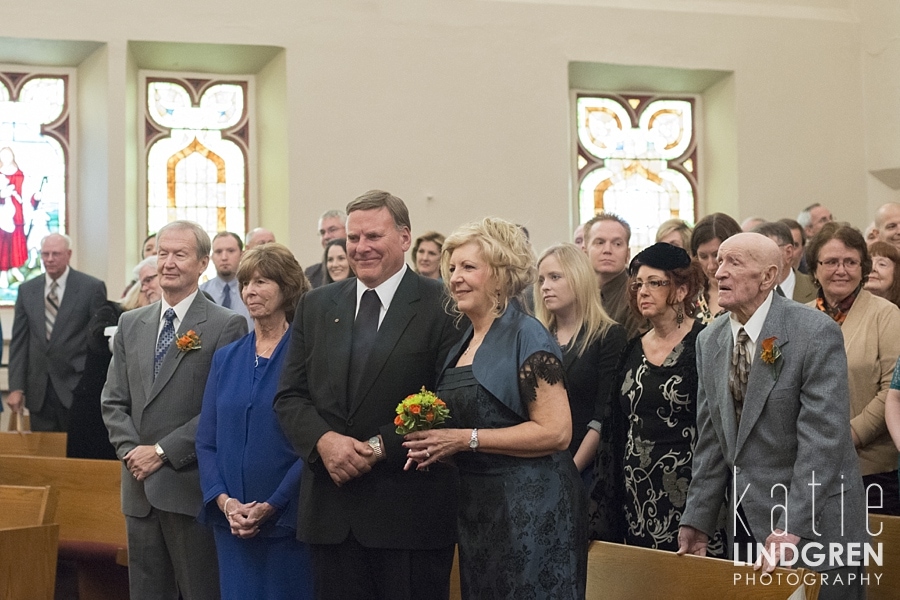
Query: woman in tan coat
x=840, y=263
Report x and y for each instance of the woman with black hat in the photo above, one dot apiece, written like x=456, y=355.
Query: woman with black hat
x=648, y=437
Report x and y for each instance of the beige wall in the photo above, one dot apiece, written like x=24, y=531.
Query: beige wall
x=462, y=107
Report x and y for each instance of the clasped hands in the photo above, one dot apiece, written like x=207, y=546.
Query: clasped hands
x=142, y=461
x=779, y=546
x=246, y=519
x=344, y=457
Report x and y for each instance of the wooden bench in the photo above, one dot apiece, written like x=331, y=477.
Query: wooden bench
x=616, y=571
x=91, y=524
x=28, y=542
x=33, y=443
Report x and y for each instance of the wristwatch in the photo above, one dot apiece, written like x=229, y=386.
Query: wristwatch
x=160, y=453
x=473, y=441
x=375, y=444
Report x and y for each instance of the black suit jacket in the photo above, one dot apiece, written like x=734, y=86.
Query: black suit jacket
x=387, y=507
x=33, y=360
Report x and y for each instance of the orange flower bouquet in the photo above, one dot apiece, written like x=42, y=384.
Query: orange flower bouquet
x=189, y=341
x=419, y=412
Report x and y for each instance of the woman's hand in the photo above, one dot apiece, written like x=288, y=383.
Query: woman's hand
x=428, y=447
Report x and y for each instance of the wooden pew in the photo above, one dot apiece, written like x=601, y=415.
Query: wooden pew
x=28, y=542
x=37, y=443
x=618, y=572
x=91, y=524
x=887, y=587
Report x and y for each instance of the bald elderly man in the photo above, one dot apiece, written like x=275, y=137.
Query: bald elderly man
x=777, y=430
x=887, y=223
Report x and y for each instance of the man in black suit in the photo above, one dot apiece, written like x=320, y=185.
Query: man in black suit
x=49, y=337
x=358, y=348
x=332, y=226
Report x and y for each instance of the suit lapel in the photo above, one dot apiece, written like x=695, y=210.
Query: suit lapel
x=148, y=333
x=339, y=326
x=34, y=296
x=193, y=319
x=400, y=313
x=762, y=375
x=724, y=403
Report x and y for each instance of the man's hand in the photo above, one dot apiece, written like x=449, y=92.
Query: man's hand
x=774, y=549
x=16, y=400
x=345, y=458
x=142, y=462
x=692, y=541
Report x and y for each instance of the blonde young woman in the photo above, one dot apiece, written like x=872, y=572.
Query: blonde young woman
x=522, y=515
x=567, y=302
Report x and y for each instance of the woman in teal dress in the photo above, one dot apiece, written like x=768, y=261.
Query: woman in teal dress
x=522, y=521
x=249, y=473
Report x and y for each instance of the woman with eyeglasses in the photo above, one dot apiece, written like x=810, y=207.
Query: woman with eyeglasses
x=840, y=264
x=647, y=439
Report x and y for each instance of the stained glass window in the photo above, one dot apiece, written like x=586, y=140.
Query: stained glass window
x=636, y=158
x=197, y=140
x=34, y=144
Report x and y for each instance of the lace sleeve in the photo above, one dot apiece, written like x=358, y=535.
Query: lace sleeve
x=540, y=365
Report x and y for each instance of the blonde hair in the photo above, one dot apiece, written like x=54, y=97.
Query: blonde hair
x=579, y=274
x=504, y=248
x=675, y=226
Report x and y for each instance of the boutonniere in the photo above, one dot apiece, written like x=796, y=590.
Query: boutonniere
x=189, y=341
x=771, y=353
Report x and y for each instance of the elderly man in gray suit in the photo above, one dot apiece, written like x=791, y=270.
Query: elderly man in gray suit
x=151, y=405
x=49, y=337
x=774, y=427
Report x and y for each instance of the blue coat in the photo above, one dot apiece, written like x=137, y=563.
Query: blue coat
x=241, y=449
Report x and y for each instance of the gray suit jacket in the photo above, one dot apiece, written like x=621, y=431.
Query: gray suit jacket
x=792, y=429
x=32, y=358
x=139, y=410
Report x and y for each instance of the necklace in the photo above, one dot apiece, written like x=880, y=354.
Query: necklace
x=473, y=344
x=272, y=347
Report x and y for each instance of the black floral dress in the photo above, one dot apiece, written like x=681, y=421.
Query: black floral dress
x=522, y=521
x=649, y=440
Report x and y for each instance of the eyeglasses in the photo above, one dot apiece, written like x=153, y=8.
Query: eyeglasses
x=652, y=284
x=849, y=264
x=148, y=280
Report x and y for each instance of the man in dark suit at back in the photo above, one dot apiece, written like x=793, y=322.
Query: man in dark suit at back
x=49, y=337
x=358, y=348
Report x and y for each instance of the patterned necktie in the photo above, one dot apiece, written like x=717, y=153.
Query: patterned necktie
x=365, y=329
x=166, y=336
x=226, y=296
x=740, y=371
x=51, y=308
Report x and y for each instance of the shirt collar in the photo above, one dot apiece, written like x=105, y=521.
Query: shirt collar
x=60, y=283
x=385, y=291
x=754, y=324
x=180, y=309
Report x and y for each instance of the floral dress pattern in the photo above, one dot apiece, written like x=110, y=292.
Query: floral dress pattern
x=653, y=431
x=522, y=521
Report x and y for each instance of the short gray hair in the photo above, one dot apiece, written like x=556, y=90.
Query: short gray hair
x=65, y=238
x=334, y=213
x=150, y=261
x=204, y=245
x=804, y=217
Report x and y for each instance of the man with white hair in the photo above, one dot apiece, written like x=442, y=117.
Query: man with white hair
x=49, y=337
x=773, y=427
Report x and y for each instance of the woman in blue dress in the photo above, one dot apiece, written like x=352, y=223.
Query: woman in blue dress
x=522, y=520
x=249, y=473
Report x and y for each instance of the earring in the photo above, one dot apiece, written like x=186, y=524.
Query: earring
x=679, y=316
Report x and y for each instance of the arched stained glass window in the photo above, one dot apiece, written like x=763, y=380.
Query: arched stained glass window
x=34, y=146
x=637, y=157
x=197, y=138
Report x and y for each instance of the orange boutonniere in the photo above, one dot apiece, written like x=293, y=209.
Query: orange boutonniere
x=189, y=341
x=771, y=355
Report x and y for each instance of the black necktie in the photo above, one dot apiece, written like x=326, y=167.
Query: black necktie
x=226, y=296
x=365, y=328
x=779, y=291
